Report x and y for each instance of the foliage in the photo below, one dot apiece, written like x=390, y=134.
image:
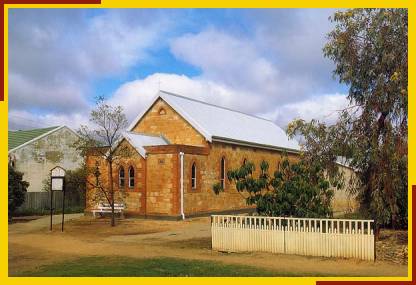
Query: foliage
x=76, y=181
x=17, y=190
x=296, y=189
x=217, y=188
x=369, y=48
x=102, y=141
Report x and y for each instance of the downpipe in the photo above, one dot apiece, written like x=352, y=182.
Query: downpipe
x=181, y=154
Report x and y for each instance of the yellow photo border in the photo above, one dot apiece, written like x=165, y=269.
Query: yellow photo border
x=411, y=5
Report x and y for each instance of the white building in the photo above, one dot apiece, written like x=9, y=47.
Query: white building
x=35, y=152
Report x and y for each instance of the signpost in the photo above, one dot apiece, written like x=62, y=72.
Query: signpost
x=58, y=184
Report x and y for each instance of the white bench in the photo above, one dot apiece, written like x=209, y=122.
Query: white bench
x=106, y=208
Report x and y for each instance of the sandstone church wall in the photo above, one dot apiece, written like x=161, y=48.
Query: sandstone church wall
x=162, y=119
x=203, y=199
x=161, y=185
x=132, y=197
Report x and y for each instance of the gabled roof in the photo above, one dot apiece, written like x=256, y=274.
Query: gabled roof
x=18, y=139
x=217, y=123
x=139, y=141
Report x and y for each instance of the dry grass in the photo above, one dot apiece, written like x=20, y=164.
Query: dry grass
x=392, y=246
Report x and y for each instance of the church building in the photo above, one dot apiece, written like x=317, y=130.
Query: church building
x=181, y=147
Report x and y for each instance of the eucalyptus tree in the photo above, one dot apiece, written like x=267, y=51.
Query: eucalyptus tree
x=370, y=50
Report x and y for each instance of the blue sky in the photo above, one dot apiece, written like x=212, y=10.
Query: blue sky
x=266, y=62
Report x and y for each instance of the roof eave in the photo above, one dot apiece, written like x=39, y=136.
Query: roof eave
x=257, y=145
x=140, y=150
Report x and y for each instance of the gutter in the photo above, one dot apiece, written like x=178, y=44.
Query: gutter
x=181, y=154
x=262, y=146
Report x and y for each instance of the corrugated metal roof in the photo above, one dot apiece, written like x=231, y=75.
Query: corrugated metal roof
x=219, y=123
x=18, y=138
x=139, y=141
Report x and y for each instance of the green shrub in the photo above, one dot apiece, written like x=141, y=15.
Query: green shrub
x=17, y=190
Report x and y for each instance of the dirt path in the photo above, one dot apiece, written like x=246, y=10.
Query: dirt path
x=41, y=223
x=149, y=238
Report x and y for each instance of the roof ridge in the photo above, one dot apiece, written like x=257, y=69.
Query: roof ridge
x=213, y=105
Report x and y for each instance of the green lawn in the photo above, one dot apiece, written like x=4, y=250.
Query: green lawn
x=123, y=266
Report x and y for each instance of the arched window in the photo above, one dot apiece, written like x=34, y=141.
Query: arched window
x=121, y=177
x=222, y=173
x=131, y=177
x=193, y=175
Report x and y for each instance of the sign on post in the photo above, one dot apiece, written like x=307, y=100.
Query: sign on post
x=58, y=184
x=57, y=176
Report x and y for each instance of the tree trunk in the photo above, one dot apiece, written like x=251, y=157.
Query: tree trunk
x=113, y=219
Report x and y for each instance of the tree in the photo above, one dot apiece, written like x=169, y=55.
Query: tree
x=76, y=181
x=369, y=48
x=102, y=139
x=17, y=190
x=295, y=189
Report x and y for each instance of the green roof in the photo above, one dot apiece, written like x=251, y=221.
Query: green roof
x=17, y=138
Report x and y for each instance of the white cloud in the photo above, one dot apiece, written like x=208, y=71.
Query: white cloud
x=273, y=69
x=54, y=54
x=135, y=95
x=294, y=39
x=240, y=64
x=225, y=58
x=112, y=44
x=26, y=93
x=27, y=120
x=321, y=107
x=230, y=61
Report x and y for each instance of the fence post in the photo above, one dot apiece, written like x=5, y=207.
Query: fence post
x=50, y=226
x=374, y=235
x=284, y=235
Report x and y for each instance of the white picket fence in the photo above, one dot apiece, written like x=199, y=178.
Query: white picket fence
x=316, y=237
